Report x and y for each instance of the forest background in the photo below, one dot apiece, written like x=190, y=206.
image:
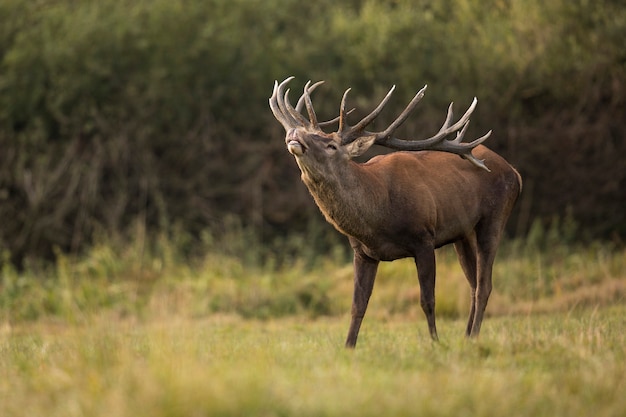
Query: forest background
x=151, y=117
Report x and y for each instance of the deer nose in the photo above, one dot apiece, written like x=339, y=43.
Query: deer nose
x=294, y=146
x=291, y=135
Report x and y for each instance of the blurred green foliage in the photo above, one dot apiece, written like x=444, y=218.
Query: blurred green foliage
x=156, y=279
x=154, y=112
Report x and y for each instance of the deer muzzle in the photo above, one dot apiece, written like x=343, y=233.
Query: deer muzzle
x=294, y=145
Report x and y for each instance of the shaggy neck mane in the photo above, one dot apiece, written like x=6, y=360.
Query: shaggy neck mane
x=340, y=199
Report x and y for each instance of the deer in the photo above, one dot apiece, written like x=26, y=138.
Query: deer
x=421, y=196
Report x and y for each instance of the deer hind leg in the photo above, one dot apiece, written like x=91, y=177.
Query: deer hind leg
x=487, y=239
x=364, y=276
x=466, y=252
x=426, y=269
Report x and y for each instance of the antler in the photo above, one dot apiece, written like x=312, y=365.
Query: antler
x=291, y=117
x=350, y=133
x=436, y=142
x=279, y=103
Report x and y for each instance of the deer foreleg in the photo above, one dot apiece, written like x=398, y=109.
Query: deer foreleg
x=425, y=262
x=364, y=276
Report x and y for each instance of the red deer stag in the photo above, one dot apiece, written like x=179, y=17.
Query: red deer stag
x=403, y=204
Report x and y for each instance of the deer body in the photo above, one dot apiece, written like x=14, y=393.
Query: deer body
x=405, y=204
x=395, y=202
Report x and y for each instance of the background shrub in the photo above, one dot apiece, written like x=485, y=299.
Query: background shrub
x=115, y=114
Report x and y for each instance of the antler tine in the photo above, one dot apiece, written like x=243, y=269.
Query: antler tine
x=283, y=100
x=312, y=88
x=280, y=109
x=356, y=130
x=403, y=116
x=449, y=116
x=446, y=129
x=342, y=112
x=294, y=112
x=276, y=108
x=309, y=106
x=336, y=119
x=465, y=149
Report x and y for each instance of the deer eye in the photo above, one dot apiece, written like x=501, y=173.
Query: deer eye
x=332, y=146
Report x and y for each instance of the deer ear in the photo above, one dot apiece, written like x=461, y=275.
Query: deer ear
x=360, y=146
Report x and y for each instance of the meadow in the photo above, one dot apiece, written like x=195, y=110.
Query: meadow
x=117, y=334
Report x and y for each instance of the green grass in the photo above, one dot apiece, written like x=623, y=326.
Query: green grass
x=124, y=331
x=544, y=365
x=135, y=281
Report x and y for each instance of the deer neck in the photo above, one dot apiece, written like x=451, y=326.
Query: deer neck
x=345, y=197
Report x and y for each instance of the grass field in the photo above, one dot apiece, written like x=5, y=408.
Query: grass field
x=102, y=337
x=544, y=365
